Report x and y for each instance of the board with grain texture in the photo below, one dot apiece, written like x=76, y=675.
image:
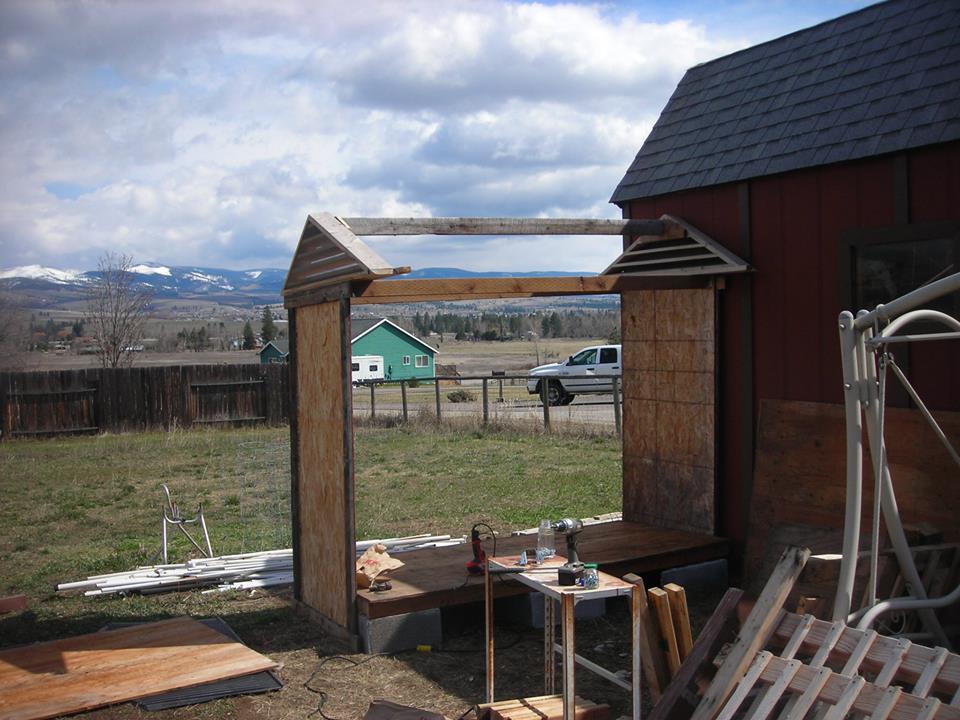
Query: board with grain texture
x=88, y=671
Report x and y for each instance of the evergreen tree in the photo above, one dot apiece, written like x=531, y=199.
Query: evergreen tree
x=249, y=341
x=268, y=331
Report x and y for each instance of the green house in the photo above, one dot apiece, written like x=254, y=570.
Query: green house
x=404, y=355
x=275, y=351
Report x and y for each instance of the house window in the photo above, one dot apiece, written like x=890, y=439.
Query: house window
x=406, y=359
x=423, y=361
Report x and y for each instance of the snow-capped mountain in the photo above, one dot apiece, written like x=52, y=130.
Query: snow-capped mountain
x=51, y=286
x=35, y=285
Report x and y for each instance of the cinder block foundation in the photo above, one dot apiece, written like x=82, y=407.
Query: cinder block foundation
x=527, y=610
x=401, y=632
x=710, y=575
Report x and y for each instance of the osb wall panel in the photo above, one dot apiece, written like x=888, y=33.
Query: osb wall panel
x=321, y=484
x=800, y=477
x=669, y=412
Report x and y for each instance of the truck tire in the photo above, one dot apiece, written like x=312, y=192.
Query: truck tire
x=556, y=394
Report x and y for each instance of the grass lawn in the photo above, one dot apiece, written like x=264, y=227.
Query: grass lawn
x=85, y=505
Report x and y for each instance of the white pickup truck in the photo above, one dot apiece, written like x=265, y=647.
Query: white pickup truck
x=578, y=374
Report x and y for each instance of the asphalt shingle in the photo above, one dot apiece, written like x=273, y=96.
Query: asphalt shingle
x=883, y=79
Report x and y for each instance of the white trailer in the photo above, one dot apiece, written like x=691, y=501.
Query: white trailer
x=366, y=367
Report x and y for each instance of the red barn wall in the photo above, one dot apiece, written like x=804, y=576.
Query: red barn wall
x=777, y=327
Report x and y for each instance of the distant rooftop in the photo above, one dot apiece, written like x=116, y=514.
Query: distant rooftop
x=880, y=80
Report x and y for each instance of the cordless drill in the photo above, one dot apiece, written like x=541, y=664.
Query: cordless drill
x=568, y=573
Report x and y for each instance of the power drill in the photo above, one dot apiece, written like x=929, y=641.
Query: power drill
x=477, y=565
x=570, y=571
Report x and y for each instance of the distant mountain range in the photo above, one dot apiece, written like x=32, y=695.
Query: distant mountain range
x=38, y=286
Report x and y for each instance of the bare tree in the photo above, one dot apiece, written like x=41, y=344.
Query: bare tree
x=117, y=310
x=14, y=330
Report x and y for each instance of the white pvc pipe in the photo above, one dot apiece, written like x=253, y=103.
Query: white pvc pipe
x=868, y=618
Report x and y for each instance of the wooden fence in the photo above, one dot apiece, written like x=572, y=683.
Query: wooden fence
x=142, y=398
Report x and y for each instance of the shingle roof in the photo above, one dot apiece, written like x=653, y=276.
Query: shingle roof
x=883, y=79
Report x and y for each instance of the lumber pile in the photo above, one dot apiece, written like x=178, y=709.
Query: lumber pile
x=542, y=707
x=228, y=572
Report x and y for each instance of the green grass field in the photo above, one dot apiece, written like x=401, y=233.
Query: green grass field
x=86, y=505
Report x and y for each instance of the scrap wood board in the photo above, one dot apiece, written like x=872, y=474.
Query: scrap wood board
x=542, y=707
x=80, y=673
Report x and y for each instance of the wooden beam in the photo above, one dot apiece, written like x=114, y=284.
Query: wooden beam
x=681, y=618
x=661, y=606
x=755, y=631
x=504, y=226
x=652, y=657
x=393, y=291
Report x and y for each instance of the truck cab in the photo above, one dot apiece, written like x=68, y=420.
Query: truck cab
x=588, y=371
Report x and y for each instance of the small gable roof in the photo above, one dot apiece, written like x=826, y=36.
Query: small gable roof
x=883, y=79
x=365, y=326
x=281, y=346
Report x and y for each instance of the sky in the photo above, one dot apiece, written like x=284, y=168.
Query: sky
x=204, y=133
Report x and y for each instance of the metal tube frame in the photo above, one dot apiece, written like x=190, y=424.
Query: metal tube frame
x=863, y=348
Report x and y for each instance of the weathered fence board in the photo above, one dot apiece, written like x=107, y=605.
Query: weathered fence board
x=142, y=398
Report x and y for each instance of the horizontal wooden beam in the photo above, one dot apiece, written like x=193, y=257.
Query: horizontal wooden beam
x=385, y=291
x=505, y=226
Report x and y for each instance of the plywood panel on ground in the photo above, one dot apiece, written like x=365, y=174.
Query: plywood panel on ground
x=66, y=676
x=322, y=484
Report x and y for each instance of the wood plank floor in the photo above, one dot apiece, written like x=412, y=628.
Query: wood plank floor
x=66, y=676
x=437, y=577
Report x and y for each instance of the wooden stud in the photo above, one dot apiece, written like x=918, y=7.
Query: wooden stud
x=681, y=618
x=681, y=693
x=651, y=655
x=887, y=703
x=847, y=699
x=756, y=630
x=504, y=226
x=661, y=607
x=930, y=672
x=745, y=685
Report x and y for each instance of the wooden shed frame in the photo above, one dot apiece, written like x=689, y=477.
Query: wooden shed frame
x=333, y=269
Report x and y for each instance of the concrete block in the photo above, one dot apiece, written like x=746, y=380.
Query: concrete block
x=401, y=632
x=527, y=610
x=710, y=575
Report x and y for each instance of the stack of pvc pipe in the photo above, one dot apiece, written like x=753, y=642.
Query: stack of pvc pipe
x=228, y=572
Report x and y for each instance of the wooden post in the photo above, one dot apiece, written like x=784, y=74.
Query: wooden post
x=436, y=389
x=486, y=403
x=546, y=405
x=617, y=420
x=661, y=606
x=681, y=618
x=755, y=631
x=651, y=656
x=403, y=398
x=373, y=400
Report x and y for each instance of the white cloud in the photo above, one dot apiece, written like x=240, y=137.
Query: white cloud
x=203, y=133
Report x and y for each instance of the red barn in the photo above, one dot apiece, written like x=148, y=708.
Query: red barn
x=829, y=159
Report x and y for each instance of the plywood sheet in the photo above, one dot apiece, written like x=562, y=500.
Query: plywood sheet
x=323, y=492
x=800, y=478
x=66, y=676
x=669, y=412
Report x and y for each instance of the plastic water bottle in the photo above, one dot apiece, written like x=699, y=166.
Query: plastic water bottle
x=545, y=546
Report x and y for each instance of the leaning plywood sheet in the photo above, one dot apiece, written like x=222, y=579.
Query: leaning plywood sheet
x=66, y=676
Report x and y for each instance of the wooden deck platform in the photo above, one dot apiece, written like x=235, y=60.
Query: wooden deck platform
x=437, y=577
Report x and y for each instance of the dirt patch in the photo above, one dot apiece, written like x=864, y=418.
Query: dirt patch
x=323, y=679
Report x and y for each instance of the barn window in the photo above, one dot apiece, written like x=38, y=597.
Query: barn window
x=888, y=263
x=423, y=361
x=406, y=359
